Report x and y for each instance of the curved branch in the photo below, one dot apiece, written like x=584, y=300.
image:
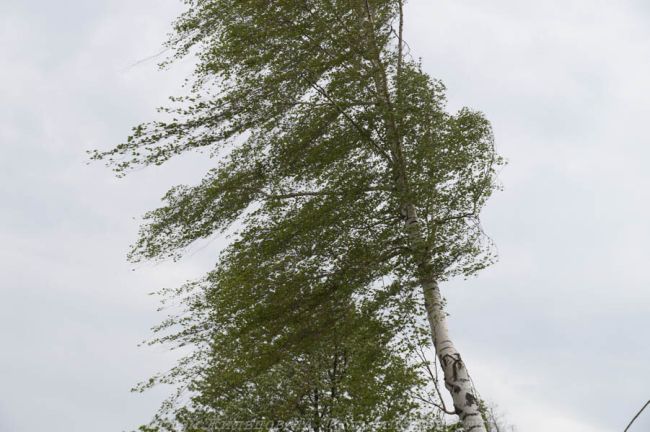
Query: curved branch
x=637, y=416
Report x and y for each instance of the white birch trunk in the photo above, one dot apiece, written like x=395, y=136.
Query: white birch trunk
x=457, y=379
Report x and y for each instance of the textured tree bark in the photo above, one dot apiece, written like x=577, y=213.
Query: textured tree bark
x=457, y=380
x=456, y=376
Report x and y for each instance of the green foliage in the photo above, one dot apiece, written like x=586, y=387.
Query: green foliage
x=324, y=132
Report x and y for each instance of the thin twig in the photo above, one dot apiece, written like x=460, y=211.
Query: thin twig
x=637, y=416
x=434, y=378
x=400, y=41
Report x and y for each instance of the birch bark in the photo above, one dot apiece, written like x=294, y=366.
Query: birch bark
x=456, y=376
x=457, y=380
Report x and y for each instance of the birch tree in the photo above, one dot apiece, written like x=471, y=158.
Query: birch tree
x=334, y=154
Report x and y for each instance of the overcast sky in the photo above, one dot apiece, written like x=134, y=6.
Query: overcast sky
x=556, y=333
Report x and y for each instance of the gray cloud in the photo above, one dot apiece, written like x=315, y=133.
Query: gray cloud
x=561, y=340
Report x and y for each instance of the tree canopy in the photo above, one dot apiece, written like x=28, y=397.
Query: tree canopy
x=327, y=141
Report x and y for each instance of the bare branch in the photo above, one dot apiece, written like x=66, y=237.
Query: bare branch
x=637, y=416
x=434, y=378
x=400, y=48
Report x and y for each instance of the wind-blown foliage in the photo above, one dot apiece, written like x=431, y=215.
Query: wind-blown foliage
x=327, y=135
x=305, y=360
